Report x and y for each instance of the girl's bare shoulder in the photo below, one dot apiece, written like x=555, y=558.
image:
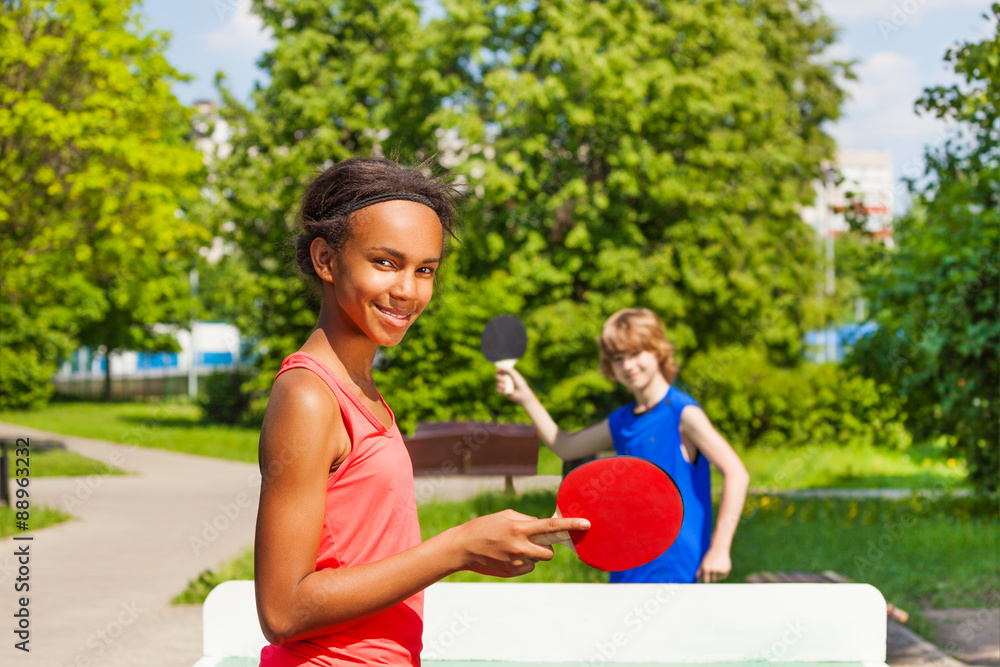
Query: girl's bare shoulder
x=303, y=414
x=299, y=389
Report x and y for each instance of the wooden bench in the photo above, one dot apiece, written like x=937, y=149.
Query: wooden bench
x=473, y=448
x=596, y=624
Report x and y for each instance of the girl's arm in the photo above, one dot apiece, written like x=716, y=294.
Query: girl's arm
x=303, y=433
x=567, y=446
x=697, y=429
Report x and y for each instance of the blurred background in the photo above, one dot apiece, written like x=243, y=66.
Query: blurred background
x=805, y=192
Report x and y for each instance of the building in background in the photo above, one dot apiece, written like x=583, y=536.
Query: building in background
x=217, y=346
x=859, y=180
x=859, y=176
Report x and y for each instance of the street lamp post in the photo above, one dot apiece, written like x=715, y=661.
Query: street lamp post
x=831, y=338
x=192, y=366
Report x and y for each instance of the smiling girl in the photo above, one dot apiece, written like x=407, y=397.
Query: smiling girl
x=666, y=426
x=339, y=564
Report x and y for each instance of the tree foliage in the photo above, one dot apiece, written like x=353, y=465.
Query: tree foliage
x=758, y=405
x=621, y=154
x=345, y=78
x=613, y=154
x=938, y=296
x=94, y=165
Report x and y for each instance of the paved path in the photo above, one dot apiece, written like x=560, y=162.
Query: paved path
x=971, y=635
x=101, y=584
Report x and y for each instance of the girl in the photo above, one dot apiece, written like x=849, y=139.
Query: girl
x=339, y=565
x=665, y=426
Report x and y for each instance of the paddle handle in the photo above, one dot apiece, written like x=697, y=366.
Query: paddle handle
x=507, y=381
x=548, y=539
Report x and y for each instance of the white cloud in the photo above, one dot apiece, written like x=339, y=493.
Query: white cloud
x=880, y=110
x=840, y=50
x=886, y=79
x=242, y=32
x=987, y=28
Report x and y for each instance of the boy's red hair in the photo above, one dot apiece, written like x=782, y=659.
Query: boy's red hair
x=636, y=330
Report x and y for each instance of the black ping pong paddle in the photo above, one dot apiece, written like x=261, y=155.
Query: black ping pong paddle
x=504, y=342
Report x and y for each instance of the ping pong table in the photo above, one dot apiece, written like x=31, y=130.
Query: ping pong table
x=656, y=625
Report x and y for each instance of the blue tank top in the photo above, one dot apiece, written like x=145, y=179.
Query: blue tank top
x=655, y=436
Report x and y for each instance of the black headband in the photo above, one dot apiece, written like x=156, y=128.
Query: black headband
x=351, y=206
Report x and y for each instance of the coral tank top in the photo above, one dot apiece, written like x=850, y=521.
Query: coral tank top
x=371, y=514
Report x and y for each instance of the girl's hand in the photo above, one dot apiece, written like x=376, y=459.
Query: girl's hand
x=501, y=544
x=521, y=393
x=715, y=566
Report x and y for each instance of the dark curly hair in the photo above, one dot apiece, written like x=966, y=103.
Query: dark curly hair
x=360, y=178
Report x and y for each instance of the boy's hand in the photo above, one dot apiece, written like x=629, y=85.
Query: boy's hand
x=715, y=566
x=521, y=393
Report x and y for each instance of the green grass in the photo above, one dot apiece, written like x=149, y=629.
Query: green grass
x=435, y=517
x=40, y=517
x=919, y=467
x=548, y=463
x=919, y=552
x=174, y=426
x=819, y=466
x=61, y=463
x=197, y=590
x=824, y=466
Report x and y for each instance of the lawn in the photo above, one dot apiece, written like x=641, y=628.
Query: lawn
x=61, y=463
x=177, y=426
x=197, y=590
x=174, y=426
x=920, y=552
x=918, y=467
x=40, y=517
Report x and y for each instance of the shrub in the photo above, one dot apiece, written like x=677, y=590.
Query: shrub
x=26, y=381
x=221, y=395
x=753, y=403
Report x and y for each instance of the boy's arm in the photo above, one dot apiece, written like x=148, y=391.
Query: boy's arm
x=567, y=446
x=697, y=429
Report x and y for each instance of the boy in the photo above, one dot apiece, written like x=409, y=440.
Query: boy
x=665, y=426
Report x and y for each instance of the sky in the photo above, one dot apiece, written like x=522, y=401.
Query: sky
x=899, y=46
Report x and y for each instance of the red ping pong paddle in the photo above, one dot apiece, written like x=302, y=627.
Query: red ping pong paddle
x=504, y=342
x=634, y=508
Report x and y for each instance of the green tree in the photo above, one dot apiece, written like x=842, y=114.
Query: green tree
x=613, y=154
x=625, y=153
x=936, y=300
x=346, y=78
x=95, y=169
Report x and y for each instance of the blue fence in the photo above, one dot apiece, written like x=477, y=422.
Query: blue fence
x=844, y=337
